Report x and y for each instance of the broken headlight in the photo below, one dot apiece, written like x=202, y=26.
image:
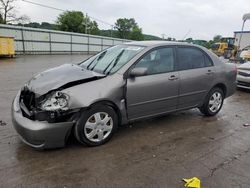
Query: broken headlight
x=55, y=101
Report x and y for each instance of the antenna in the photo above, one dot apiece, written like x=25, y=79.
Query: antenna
x=189, y=31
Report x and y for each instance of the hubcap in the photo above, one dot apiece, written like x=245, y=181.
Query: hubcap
x=98, y=126
x=215, y=102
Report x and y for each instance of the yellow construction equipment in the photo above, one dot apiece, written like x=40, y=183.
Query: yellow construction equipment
x=192, y=183
x=225, y=47
x=7, y=46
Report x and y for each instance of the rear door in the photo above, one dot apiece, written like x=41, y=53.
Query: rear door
x=196, y=72
x=156, y=92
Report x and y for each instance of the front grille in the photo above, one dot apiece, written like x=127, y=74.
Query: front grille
x=243, y=74
x=247, y=84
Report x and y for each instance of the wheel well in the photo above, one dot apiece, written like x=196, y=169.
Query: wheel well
x=223, y=87
x=112, y=105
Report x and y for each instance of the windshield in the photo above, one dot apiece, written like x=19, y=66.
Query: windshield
x=112, y=59
x=215, y=46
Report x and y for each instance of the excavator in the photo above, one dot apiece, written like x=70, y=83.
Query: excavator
x=225, y=47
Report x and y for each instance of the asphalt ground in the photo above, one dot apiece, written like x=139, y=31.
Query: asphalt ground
x=151, y=153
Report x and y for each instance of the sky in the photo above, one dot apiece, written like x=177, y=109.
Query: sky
x=199, y=19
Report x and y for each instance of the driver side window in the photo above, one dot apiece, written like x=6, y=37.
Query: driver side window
x=158, y=61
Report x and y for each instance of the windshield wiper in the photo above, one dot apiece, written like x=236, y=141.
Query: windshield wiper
x=115, y=62
x=97, y=59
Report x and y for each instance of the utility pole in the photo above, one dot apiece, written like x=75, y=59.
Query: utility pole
x=163, y=36
x=111, y=32
x=86, y=24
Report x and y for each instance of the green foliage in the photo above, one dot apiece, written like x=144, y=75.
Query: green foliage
x=189, y=39
x=115, y=34
x=93, y=27
x=76, y=21
x=109, y=33
x=32, y=24
x=151, y=37
x=136, y=34
x=217, y=38
x=170, y=39
x=71, y=21
x=46, y=25
x=128, y=29
x=43, y=25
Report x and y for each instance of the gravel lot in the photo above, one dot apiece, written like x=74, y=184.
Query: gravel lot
x=153, y=153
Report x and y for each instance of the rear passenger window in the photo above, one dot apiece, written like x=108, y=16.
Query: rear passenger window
x=191, y=58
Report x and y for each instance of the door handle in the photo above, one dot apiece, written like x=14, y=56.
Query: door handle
x=209, y=72
x=172, y=77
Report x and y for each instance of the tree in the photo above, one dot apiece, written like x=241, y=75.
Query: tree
x=46, y=25
x=136, y=34
x=93, y=28
x=1, y=19
x=189, y=39
x=128, y=29
x=8, y=12
x=217, y=38
x=33, y=24
x=75, y=21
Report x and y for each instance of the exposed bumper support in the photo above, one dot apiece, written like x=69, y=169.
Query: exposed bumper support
x=39, y=134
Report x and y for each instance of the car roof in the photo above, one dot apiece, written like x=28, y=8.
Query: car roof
x=157, y=43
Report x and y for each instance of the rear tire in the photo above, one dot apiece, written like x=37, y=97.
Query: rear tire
x=213, y=102
x=96, y=126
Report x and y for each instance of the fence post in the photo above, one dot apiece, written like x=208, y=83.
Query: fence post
x=102, y=43
x=88, y=44
x=71, y=44
x=50, y=45
x=23, y=41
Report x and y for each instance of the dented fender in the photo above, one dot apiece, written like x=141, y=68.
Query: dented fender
x=84, y=95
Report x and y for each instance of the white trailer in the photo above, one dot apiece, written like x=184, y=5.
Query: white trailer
x=241, y=42
x=244, y=41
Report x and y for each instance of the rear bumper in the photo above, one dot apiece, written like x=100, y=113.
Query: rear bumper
x=39, y=134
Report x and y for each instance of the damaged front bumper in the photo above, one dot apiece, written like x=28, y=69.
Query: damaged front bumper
x=39, y=134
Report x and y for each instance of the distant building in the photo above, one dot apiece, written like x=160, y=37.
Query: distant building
x=245, y=39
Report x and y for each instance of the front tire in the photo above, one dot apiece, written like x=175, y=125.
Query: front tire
x=213, y=102
x=96, y=126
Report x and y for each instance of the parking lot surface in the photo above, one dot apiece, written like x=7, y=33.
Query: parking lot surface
x=151, y=153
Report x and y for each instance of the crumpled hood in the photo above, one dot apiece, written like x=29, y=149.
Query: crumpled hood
x=63, y=76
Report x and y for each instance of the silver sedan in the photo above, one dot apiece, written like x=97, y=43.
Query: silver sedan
x=122, y=84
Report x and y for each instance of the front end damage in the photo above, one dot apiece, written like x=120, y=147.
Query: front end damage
x=40, y=112
x=40, y=128
x=47, y=107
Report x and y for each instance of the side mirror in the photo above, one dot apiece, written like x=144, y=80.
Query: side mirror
x=139, y=71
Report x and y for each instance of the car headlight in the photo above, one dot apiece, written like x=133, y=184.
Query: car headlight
x=55, y=101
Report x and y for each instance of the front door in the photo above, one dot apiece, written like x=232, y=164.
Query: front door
x=157, y=91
